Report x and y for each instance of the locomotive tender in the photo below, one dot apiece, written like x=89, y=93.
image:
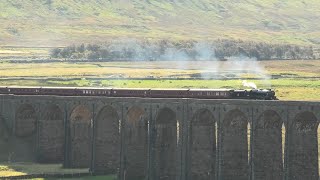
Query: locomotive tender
x=261, y=94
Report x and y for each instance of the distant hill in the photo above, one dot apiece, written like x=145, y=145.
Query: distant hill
x=63, y=22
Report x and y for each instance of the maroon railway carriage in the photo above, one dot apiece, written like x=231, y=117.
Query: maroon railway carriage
x=169, y=93
x=19, y=90
x=130, y=92
x=211, y=93
x=94, y=91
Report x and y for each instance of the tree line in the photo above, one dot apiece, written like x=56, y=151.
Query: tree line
x=125, y=50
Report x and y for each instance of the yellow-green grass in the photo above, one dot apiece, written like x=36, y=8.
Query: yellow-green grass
x=157, y=69
x=18, y=169
x=82, y=178
x=23, y=52
x=297, y=80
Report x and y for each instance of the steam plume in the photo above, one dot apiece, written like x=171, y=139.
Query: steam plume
x=249, y=84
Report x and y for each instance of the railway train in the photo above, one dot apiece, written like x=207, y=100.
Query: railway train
x=259, y=94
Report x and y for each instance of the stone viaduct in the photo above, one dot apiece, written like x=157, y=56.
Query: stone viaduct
x=164, y=139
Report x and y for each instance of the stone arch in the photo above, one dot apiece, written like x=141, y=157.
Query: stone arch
x=303, y=147
x=136, y=138
x=25, y=121
x=267, y=146
x=80, y=136
x=51, y=135
x=202, y=146
x=166, y=144
x=235, y=146
x=107, y=141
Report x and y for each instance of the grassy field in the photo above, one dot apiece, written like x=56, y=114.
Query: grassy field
x=24, y=52
x=18, y=169
x=292, y=80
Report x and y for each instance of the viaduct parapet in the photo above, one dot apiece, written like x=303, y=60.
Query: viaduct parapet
x=164, y=139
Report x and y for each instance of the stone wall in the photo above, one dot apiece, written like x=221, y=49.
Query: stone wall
x=169, y=139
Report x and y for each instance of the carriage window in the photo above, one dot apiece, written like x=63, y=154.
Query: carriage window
x=217, y=93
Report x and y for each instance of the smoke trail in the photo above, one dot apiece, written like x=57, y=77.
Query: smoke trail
x=189, y=54
x=249, y=84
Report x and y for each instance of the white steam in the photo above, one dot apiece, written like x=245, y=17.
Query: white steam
x=249, y=84
x=199, y=56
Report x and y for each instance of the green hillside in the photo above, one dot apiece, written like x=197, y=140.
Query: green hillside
x=62, y=22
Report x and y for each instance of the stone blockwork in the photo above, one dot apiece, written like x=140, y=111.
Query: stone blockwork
x=202, y=146
x=51, y=134
x=80, y=137
x=303, y=143
x=169, y=139
x=107, y=141
x=136, y=143
x=268, y=133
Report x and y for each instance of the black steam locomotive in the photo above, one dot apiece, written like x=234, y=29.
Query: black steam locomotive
x=261, y=94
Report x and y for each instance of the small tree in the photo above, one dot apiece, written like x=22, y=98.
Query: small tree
x=55, y=53
x=81, y=48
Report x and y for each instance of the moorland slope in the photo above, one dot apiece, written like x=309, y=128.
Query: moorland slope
x=62, y=22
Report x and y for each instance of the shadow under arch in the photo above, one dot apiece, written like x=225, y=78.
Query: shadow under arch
x=25, y=121
x=303, y=147
x=25, y=134
x=80, y=137
x=5, y=140
x=235, y=146
x=166, y=144
x=202, y=145
x=51, y=135
x=107, y=141
x=267, y=146
x=136, y=138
